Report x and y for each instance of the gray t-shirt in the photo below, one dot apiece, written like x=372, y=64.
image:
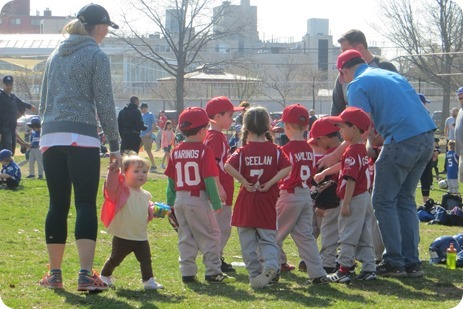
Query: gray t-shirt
x=450, y=124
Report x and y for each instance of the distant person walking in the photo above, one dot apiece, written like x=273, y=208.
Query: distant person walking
x=130, y=125
x=76, y=87
x=459, y=133
x=146, y=136
x=161, y=124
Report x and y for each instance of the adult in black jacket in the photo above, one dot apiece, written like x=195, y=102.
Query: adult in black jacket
x=11, y=108
x=130, y=124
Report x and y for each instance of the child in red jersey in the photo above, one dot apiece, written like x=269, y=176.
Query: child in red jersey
x=258, y=165
x=354, y=182
x=325, y=136
x=220, y=110
x=294, y=206
x=191, y=190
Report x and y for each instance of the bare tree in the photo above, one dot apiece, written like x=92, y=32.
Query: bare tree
x=285, y=81
x=430, y=35
x=190, y=27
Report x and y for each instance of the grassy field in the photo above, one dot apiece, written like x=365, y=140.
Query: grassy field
x=23, y=261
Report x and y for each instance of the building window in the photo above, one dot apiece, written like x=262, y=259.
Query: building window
x=15, y=21
x=323, y=55
x=35, y=22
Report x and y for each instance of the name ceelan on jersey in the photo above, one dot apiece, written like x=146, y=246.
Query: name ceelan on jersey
x=186, y=154
x=257, y=160
x=303, y=156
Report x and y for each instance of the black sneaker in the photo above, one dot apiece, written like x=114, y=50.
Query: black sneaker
x=227, y=268
x=414, y=270
x=319, y=280
x=31, y=176
x=366, y=276
x=339, y=277
x=386, y=270
x=302, y=266
x=189, y=279
x=330, y=270
x=220, y=278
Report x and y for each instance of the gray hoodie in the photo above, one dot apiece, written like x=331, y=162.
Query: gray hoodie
x=76, y=89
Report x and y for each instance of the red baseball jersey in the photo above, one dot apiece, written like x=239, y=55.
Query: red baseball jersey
x=302, y=159
x=354, y=164
x=189, y=164
x=257, y=162
x=217, y=141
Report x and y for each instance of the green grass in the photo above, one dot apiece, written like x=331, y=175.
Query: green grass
x=23, y=261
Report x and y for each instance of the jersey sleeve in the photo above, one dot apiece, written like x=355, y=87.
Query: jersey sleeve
x=216, y=145
x=351, y=165
x=283, y=161
x=209, y=164
x=170, y=170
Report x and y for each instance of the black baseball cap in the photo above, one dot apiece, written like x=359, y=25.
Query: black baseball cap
x=94, y=14
x=7, y=79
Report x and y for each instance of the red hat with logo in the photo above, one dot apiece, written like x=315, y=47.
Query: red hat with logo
x=321, y=127
x=193, y=117
x=295, y=113
x=219, y=105
x=353, y=115
x=347, y=56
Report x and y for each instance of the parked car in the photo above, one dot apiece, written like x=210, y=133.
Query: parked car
x=21, y=123
x=437, y=118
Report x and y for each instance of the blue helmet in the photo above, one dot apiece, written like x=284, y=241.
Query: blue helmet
x=459, y=238
x=438, y=248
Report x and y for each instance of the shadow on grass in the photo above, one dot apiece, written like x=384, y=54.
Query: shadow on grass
x=147, y=297
x=92, y=300
x=440, y=287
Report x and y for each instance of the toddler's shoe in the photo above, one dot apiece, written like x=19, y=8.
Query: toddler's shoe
x=90, y=282
x=52, y=280
x=108, y=280
x=150, y=284
x=162, y=166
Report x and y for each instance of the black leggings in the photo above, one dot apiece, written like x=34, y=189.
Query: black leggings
x=426, y=179
x=70, y=167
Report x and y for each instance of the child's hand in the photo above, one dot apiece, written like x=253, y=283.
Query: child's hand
x=345, y=209
x=320, y=212
x=113, y=166
x=319, y=177
x=248, y=186
x=222, y=194
x=264, y=188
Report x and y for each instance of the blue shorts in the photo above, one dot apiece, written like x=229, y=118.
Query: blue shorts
x=167, y=149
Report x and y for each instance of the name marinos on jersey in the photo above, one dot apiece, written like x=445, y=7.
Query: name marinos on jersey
x=303, y=156
x=258, y=160
x=186, y=154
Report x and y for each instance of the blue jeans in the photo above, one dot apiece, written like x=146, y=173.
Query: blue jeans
x=398, y=170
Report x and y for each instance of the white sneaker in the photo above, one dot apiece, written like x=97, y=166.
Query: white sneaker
x=263, y=279
x=108, y=280
x=152, y=285
x=163, y=166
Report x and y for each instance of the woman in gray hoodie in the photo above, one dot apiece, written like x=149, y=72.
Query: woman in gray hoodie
x=76, y=89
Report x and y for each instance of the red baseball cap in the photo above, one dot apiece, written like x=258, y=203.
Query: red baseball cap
x=219, y=105
x=347, y=56
x=295, y=113
x=193, y=117
x=321, y=127
x=354, y=115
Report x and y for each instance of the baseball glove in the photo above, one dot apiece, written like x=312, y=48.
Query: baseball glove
x=173, y=220
x=324, y=195
x=23, y=149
